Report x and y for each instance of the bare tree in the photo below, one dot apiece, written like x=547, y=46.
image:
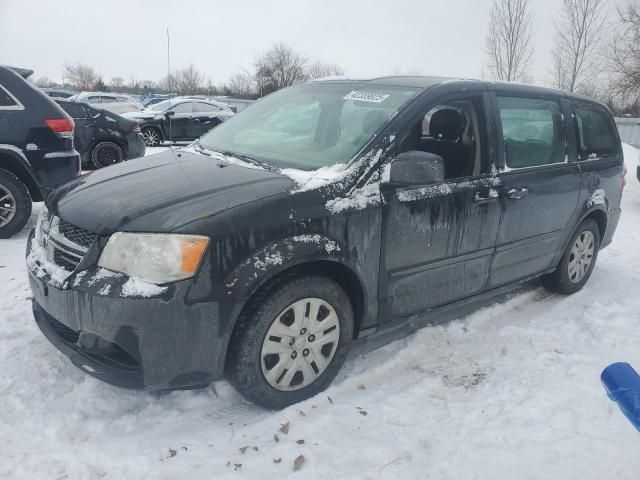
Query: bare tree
x=279, y=67
x=80, y=75
x=509, y=41
x=578, y=36
x=116, y=82
x=625, y=51
x=45, y=82
x=319, y=70
x=133, y=82
x=242, y=85
x=189, y=81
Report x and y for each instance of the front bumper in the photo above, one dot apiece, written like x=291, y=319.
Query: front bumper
x=163, y=342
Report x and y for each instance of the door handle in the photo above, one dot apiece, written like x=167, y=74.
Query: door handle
x=517, y=193
x=491, y=196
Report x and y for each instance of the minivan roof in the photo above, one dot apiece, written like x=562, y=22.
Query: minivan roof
x=425, y=82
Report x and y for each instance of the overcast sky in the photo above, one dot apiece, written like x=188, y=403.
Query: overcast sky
x=367, y=37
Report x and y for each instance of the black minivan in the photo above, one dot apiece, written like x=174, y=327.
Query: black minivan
x=327, y=214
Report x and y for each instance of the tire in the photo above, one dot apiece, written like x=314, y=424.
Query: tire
x=152, y=136
x=566, y=280
x=105, y=154
x=15, y=204
x=248, y=365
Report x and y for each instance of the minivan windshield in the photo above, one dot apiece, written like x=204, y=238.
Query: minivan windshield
x=309, y=126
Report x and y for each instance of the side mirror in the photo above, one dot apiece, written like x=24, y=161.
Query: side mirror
x=416, y=168
x=170, y=113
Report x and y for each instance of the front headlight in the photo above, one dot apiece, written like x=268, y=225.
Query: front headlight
x=154, y=257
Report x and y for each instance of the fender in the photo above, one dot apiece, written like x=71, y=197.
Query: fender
x=20, y=166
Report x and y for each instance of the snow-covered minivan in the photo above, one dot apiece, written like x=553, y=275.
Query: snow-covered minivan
x=325, y=215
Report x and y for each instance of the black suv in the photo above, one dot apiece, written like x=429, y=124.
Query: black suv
x=326, y=214
x=36, y=148
x=103, y=138
x=179, y=119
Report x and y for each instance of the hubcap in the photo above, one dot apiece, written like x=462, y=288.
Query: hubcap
x=151, y=137
x=7, y=206
x=581, y=256
x=300, y=344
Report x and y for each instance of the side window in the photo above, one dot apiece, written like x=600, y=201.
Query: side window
x=93, y=99
x=7, y=101
x=182, y=108
x=108, y=99
x=75, y=110
x=532, y=130
x=595, y=131
x=455, y=131
x=204, y=107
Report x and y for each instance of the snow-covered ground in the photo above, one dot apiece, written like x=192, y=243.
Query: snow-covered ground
x=510, y=392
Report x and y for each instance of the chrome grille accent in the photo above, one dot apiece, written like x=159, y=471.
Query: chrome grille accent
x=65, y=244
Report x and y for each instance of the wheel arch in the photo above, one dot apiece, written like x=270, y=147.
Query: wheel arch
x=600, y=216
x=10, y=162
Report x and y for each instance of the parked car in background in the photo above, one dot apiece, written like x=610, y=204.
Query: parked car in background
x=179, y=119
x=322, y=215
x=113, y=102
x=154, y=98
x=103, y=138
x=59, y=92
x=36, y=149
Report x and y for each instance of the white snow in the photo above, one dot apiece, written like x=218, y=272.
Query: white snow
x=368, y=195
x=135, y=287
x=509, y=392
x=313, y=179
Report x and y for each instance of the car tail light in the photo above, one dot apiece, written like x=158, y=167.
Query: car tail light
x=135, y=128
x=62, y=127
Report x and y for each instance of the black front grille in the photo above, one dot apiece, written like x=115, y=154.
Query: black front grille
x=64, y=260
x=66, y=334
x=76, y=234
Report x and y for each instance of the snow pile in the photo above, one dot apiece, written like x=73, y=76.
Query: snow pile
x=41, y=267
x=135, y=287
x=313, y=179
x=369, y=195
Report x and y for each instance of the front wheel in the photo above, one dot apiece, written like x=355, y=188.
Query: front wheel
x=292, y=342
x=577, y=262
x=152, y=136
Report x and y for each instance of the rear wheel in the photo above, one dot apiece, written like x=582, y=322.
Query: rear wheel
x=292, y=343
x=105, y=154
x=152, y=136
x=15, y=204
x=578, y=260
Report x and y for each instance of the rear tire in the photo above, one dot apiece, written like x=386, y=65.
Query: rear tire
x=15, y=204
x=105, y=154
x=277, y=380
x=577, y=262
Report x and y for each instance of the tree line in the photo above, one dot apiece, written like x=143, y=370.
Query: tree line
x=592, y=53
x=278, y=67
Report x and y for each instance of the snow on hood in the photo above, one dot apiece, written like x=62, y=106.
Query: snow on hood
x=311, y=180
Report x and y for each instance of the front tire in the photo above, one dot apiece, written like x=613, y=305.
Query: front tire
x=577, y=262
x=15, y=204
x=292, y=341
x=105, y=154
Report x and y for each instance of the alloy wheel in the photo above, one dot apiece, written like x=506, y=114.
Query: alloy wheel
x=581, y=256
x=7, y=206
x=300, y=344
x=151, y=137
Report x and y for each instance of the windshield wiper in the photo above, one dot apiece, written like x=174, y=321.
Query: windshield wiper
x=254, y=161
x=200, y=148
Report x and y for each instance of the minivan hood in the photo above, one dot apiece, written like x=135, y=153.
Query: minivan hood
x=162, y=192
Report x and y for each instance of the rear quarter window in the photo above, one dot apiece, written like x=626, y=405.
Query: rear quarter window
x=595, y=131
x=8, y=101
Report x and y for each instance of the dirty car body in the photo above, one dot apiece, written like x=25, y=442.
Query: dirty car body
x=406, y=254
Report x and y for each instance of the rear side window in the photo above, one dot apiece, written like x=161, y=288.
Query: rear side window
x=7, y=101
x=183, y=108
x=595, y=131
x=532, y=130
x=204, y=107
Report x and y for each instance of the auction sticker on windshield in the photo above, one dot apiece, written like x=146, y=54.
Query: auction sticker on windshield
x=373, y=97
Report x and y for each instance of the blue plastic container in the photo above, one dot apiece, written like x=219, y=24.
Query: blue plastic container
x=622, y=384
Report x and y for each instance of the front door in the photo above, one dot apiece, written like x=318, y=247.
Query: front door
x=177, y=125
x=539, y=186
x=439, y=239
